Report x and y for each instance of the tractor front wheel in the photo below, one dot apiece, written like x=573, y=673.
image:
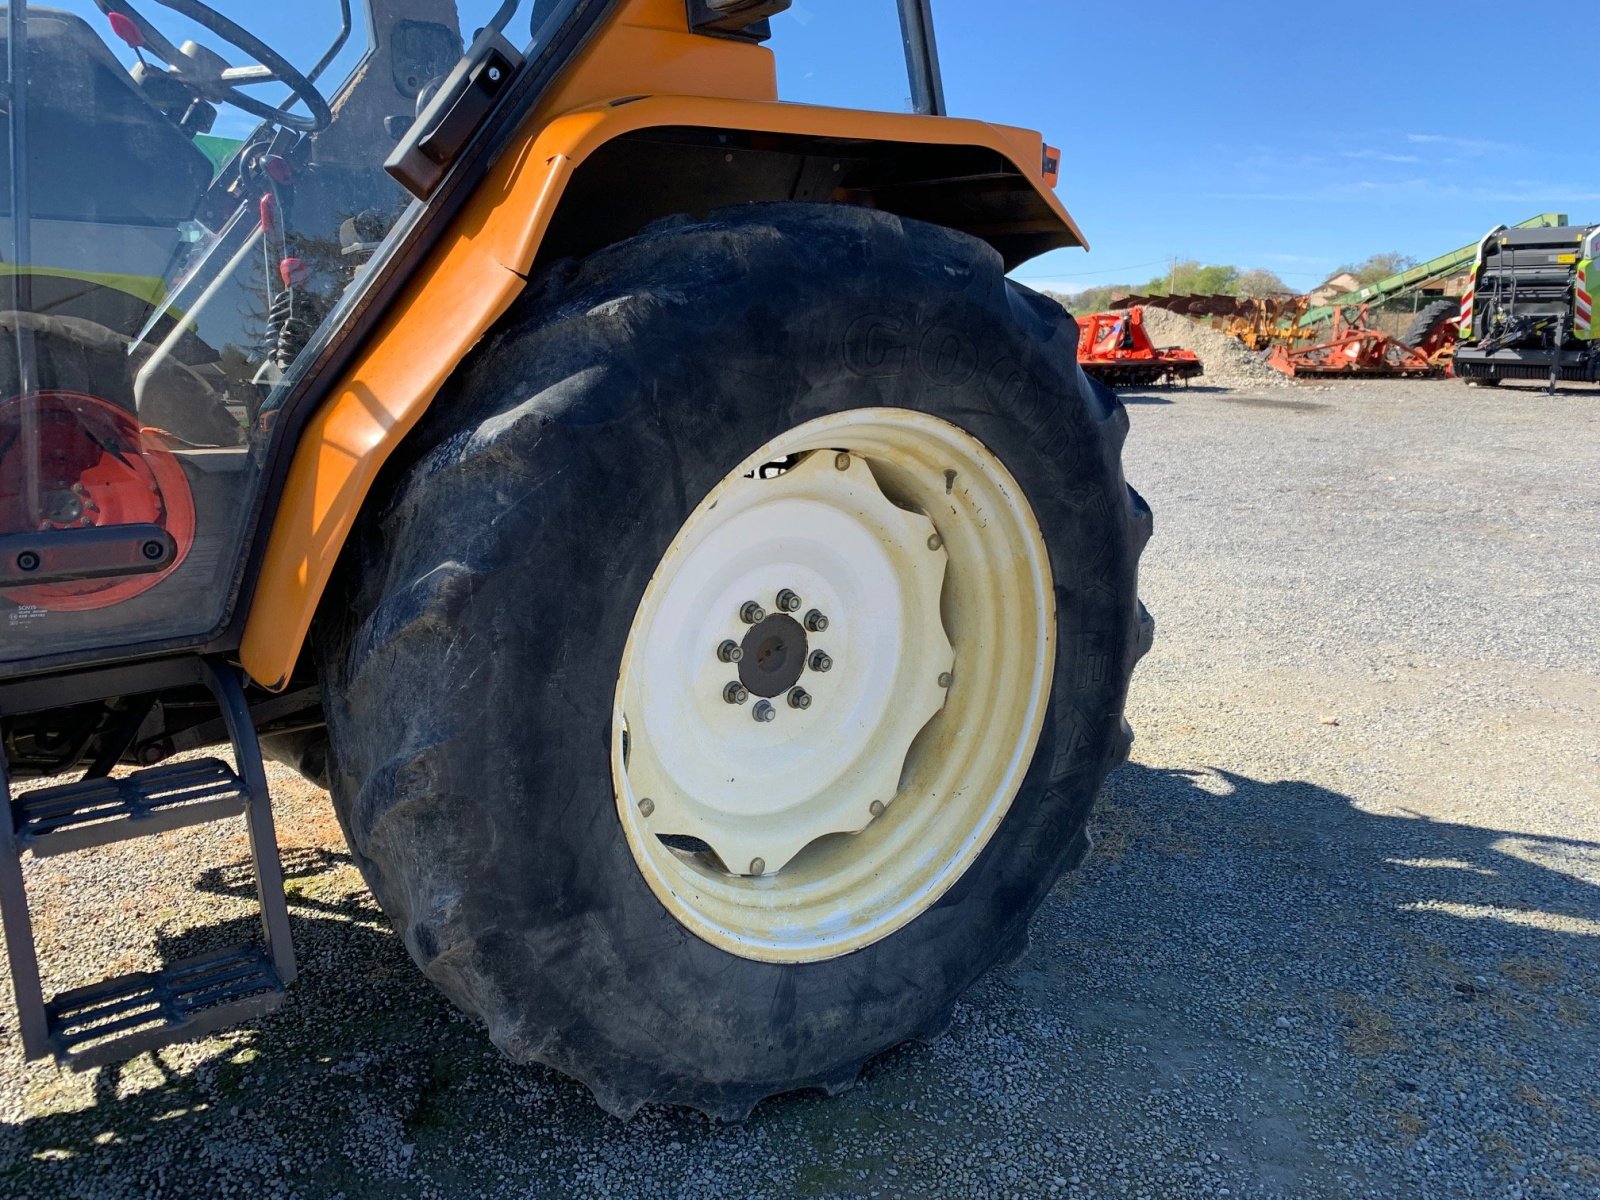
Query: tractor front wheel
x=732, y=671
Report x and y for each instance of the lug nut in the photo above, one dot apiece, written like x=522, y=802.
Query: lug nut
x=758, y=866
x=729, y=652
x=752, y=613
x=764, y=712
x=946, y=679
x=935, y=542
x=735, y=693
x=821, y=662
x=788, y=602
x=646, y=806
x=842, y=461
x=816, y=622
x=876, y=808
x=800, y=698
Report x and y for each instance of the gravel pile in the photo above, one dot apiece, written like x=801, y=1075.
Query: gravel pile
x=1340, y=936
x=1228, y=362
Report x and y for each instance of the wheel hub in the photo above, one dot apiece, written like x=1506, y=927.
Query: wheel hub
x=823, y=534
x=884, y=567
x=775, y=653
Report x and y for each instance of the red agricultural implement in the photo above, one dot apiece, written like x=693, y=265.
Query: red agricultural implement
x=1353, y=350
x=1115, y=348
x=1258, y=322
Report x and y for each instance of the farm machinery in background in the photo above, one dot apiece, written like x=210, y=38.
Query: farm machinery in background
x=1347, y=345
x=1258, y=322
x=1528, y=312
x=1354, y=347
x=1340, y=337
x=1115, y=348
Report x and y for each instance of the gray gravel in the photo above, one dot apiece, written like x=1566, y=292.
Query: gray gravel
x=1340, y=936
x=1228, y=362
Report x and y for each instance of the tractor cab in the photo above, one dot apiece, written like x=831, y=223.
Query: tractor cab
x=177, y=229
x=200, y=222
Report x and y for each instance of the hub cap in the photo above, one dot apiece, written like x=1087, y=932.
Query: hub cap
x=773, y=656
x=833, y=685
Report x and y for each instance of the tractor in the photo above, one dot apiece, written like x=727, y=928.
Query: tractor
x=703, y=581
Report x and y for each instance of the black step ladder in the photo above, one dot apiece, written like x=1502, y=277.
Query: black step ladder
x=120, y=1017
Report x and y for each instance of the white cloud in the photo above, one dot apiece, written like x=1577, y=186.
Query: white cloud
x=1465, y=145
x=1382, y=156
x=1520, y=191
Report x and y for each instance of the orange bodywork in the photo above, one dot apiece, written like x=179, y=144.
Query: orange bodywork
x=643, y=71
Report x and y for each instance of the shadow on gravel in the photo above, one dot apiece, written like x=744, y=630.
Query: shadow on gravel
x=1380, y=993
x=1531, y=387
x=1276, y=404
x=299, y=863
x=1243, y=833
x=1171, y=395
x=1305, y=973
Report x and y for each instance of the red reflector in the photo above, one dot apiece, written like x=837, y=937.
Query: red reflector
x=293, y=272
x=123, y=26
x=1052, y=165
x=269, y=212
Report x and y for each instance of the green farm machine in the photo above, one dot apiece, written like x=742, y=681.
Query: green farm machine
x=1529, y=311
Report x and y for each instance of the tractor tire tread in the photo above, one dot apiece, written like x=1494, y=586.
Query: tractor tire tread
x=476, y=485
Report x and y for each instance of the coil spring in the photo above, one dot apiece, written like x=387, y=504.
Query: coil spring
x=288, y=329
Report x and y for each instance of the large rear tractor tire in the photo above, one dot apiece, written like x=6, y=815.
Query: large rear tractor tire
x=730, y=674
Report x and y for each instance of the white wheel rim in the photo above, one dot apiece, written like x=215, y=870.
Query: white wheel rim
x=860, y=800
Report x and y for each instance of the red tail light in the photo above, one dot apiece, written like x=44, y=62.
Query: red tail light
x=92, y=467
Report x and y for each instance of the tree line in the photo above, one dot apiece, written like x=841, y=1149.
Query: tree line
x=1191, y=278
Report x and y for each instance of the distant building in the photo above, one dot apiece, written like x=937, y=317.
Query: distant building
x=1338, y=285
x=1453, y=286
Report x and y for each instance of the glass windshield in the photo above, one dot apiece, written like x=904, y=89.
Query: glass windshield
x=842, y=53
x=183, y=203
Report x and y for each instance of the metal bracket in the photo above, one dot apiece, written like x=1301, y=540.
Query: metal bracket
x=459, y=108
x=84, y=553
x=746, y=20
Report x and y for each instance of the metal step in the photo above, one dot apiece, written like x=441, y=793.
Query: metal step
x=121, y=1017
x=97, y=812
x=124, y=1016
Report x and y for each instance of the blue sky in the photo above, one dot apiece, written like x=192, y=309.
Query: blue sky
x=1288, y=136
x=1291, y=137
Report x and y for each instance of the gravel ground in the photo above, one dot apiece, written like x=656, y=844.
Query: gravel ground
x=1340, y=936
